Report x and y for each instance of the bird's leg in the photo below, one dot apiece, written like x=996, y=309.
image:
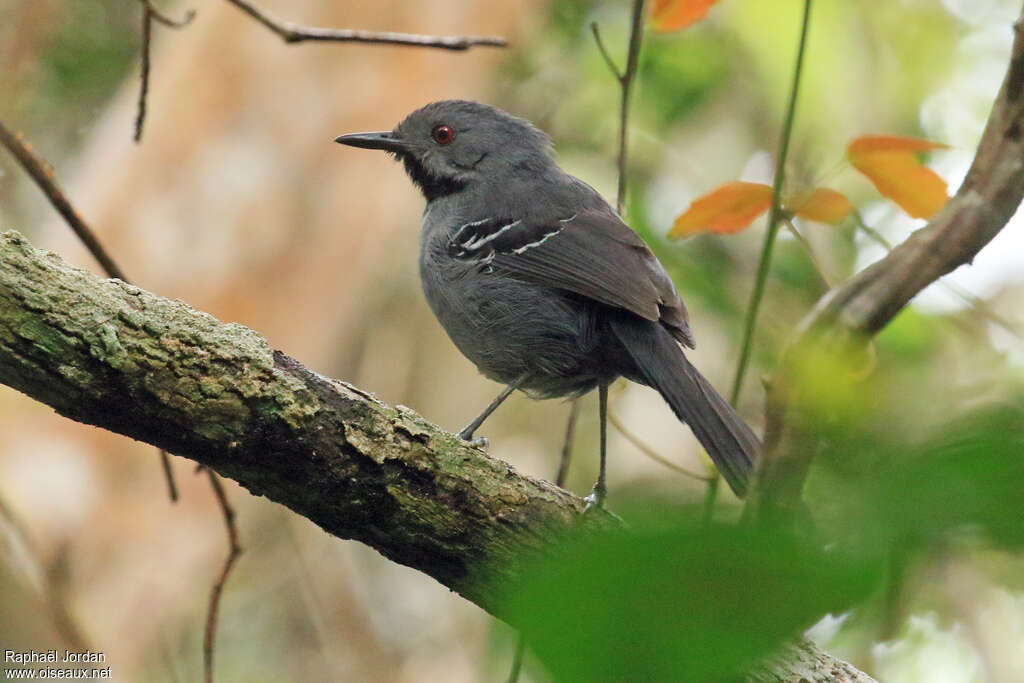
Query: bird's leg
x=481, y=441
x=600, y=490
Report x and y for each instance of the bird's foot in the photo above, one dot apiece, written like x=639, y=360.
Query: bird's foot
x=596, y=498
x=476, y=442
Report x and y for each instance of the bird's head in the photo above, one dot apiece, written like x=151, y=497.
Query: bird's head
x=449, y=145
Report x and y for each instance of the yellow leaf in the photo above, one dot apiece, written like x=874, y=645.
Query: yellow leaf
x=730, y=208
x=675, y=15
x=890, y=163
x=822, y=205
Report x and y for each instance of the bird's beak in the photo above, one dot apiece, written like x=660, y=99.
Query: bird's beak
x=384, y=140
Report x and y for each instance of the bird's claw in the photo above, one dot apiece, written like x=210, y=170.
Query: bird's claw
x=474, y=441
x=594, y=500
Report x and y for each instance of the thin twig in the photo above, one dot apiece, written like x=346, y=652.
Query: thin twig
x=604, y=52
x=769, y=239
x=570, y=432
x=636, y=33
x=172, y=487
x=234, y=551
x=50, y=579
x=147, y=32
x=774, y=216
x=42, y=173
x=651, y=453
x=563, y=471
x=517, y=659
x=293, y=33
x=166, y=20
x=871, y=232
x=968, y=297
x=149, y=15
x=807, y=247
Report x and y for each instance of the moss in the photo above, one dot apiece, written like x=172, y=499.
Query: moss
x=110, y=355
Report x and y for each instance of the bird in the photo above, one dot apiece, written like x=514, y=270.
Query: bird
x=542, y=285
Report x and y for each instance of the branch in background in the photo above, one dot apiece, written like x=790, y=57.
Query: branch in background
x=625, y=78
x=48, y=580
x=159, y=16
x=864, y=305
x=234, y=552
x=293, y=33
x=969, y=298
x=149, y=15
x=560, y=475
x=775, y=214
x=774, y=221
x=140, y=111
x=42, y=173
x=650, y=452
x=163, y=373
x=570, y=432
x=806, y=244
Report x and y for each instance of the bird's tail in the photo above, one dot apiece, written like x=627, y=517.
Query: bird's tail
x=662, y=365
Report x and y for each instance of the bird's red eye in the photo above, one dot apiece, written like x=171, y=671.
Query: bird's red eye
x=442, y=134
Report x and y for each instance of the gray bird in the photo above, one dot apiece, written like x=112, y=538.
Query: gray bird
x=538, y=281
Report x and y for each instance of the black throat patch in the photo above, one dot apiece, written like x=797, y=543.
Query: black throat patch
x=432, y=186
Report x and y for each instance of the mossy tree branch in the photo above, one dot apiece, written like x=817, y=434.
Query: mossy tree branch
x=106, y=353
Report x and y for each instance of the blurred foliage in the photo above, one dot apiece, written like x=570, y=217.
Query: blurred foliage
x=86, y=49
x=676, y=601
x=673, y=598
x=90, y=51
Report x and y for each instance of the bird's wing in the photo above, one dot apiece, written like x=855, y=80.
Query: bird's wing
x=591, y=253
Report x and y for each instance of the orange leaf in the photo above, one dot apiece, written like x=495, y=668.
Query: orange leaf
x=890, y=143
x=889, y=162
x=822, y=205
x=675, y=15
x=730, y=208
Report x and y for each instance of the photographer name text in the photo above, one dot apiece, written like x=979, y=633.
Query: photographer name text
x=50, y=656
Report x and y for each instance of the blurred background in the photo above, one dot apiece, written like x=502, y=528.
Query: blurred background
x=238, y=202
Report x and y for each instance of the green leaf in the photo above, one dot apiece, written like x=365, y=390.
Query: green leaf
x=679, y=601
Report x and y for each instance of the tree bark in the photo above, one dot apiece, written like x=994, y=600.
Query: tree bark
x=109, y=354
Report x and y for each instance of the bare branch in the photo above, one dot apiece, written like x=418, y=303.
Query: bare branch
x=965, y=295
x=234, y=551
x=570, y=432
x=625, y=78
x=172, y=487
x=864, y=305
x=149, y=15
x=604, y=52
x=293, y=33
x=650, y=452
x=806, y=244
x=166, y=20
x=147, y=34
x=42, y=173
